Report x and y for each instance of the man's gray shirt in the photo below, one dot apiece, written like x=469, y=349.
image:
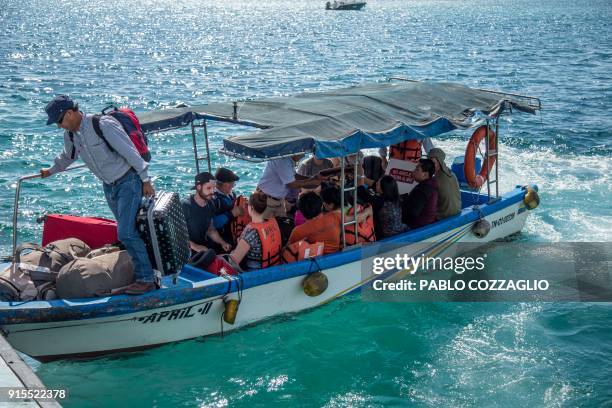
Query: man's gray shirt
x=105, y=164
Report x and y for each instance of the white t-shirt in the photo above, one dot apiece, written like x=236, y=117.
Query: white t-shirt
x=277, y=174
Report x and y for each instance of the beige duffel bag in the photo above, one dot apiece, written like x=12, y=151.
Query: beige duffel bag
x=85, y=278
x=54, y=255
x=35, y=268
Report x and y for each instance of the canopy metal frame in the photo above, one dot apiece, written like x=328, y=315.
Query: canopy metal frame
x=488, y=155
x=202, y=124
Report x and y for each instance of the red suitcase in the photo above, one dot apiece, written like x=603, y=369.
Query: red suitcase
x=95, y=232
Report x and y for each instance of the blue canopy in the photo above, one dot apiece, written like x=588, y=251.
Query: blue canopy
x=343, y=121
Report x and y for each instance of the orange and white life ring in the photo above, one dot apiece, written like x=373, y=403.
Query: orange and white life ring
x=473, y=179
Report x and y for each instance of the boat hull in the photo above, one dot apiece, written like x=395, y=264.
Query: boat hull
x=46, y=331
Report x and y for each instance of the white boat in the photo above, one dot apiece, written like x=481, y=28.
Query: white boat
x=365, y=116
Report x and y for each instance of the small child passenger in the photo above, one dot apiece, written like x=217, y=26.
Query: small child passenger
x=318, y=227
x=260, y=244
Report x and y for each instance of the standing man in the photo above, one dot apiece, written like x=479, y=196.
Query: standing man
x=122, y=171
x=199, y=213
x=278, y=179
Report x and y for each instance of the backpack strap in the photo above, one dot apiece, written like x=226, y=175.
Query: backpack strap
x=25, y=246
x=95, y=121
x=73, y=153
x=51, y=247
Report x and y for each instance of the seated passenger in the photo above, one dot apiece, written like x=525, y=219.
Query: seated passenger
x=330, y=194
x=373, y=168
x=319, y=227
x=419, y=207
x=199, y=212
x=260, y=244
x=223, y=202
x=449, y=196
x=298, y=217
x=389, y=218
x=313, y=166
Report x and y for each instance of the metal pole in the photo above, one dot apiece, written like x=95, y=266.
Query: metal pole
x=342, y=202
x=207, y=149
x=16, y=203
x=487, y=164
x=195, y=148
x=355, y=164
x=497, y=157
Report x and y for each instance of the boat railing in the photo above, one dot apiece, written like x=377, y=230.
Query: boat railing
x=16, y=204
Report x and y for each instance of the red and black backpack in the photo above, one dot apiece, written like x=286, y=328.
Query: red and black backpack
x=129, y=121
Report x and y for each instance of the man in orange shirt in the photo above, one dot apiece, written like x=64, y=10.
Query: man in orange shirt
x=319, y=227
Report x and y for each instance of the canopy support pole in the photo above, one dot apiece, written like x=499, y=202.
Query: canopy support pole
x=488, y=155
x=207, y=147
x=497, y=157
x=195, y=146
x=355, y=208
x=343, y=190
x=342, y=232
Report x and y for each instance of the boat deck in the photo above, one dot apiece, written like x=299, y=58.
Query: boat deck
x=16, y=374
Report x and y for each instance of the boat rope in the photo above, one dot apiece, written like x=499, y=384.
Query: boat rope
x=479, y=210
x=240, y=286
x=314, y=261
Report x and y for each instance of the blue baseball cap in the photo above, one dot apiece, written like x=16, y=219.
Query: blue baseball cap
x=57, y=106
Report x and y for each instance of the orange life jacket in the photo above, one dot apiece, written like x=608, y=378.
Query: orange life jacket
x=406, y=150
x=238, y=224
x=301, y=250
x=365, y=230
x=271, y=242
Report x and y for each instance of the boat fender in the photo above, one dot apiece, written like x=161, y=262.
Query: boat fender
x=532, y=199
x=481, y=228
x=231, y=310
x=315, y=284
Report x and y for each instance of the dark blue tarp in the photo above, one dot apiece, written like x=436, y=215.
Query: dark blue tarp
x=343, y=121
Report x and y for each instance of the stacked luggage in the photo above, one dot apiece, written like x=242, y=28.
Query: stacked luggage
x=67, y=268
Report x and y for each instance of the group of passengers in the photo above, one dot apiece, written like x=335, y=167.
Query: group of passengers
x=292, y=209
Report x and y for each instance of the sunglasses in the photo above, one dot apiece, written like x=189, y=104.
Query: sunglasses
x=61, y=118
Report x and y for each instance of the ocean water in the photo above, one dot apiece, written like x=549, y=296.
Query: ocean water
x=157, y=53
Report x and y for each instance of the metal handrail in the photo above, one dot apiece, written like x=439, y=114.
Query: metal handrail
x=16, y=204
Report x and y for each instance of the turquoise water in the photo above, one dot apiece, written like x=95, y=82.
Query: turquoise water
x=151, y=54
